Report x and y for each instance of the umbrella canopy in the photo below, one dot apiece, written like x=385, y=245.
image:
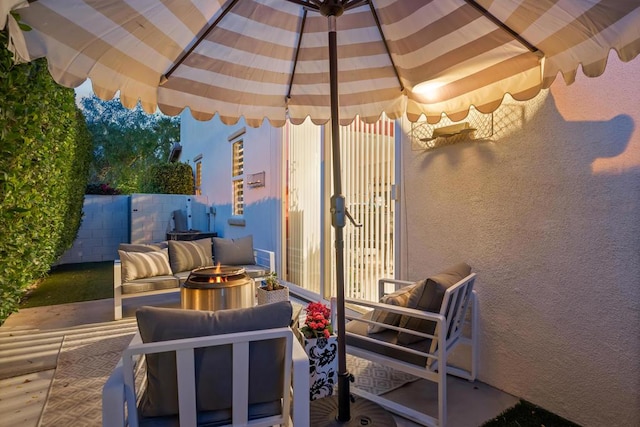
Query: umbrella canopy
x=272, y=59
x=269, y=58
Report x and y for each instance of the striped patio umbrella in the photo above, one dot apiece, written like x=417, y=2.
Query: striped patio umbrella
x=324, y=59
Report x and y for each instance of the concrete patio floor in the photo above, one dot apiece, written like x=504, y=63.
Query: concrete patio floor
x=22, y=397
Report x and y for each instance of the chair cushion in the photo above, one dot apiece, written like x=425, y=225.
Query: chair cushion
x=360, y=335
x=186, y=256
x=233, y=251
x=140, y=265
x=213, y=364
x=427, y=296
x=398, y=298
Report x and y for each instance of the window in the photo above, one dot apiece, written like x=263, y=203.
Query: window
x=237, y=177
x=198, y=177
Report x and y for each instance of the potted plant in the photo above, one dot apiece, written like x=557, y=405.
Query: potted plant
x=272, y=290
x=321, y=346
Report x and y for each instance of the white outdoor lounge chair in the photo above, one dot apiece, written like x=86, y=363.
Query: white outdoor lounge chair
x=241, y=371
x=414, y=330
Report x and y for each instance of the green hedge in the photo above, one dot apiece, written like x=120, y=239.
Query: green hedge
x=44, y=162
x=170, y=178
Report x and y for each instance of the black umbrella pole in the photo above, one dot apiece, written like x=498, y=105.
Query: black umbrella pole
x=338, y=222
x=329, y=411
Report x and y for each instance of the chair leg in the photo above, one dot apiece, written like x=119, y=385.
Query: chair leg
x=117, y=291
x=474, y=336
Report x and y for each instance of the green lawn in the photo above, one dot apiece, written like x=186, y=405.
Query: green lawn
x=525, y=414
x=72, y=283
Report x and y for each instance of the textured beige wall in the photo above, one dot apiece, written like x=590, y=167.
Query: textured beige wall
x=548, y=214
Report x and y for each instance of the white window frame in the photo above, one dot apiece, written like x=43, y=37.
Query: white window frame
x=237, y=174
x=197, y=175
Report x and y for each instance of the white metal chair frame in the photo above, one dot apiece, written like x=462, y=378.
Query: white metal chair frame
x=458, y=299
x=119, y=392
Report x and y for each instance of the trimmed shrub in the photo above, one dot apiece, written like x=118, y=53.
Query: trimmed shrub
x=44, y=160
x=170, y=178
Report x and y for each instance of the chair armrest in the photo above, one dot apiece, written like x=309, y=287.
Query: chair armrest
x=411, y=312
x=265, y=258
x=113, y=400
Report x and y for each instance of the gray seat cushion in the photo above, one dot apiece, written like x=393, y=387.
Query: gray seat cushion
x=254, y=271
x=388, y=336
x=213, y=365
x=214, y=418
x=234, y=251
x=150, y=284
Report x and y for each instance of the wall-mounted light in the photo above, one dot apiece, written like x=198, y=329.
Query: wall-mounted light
x=429, y=90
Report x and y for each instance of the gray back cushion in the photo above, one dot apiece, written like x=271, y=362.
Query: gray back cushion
x=428, y=296
x=213, y=365
x=234, y=251
x=185, y=256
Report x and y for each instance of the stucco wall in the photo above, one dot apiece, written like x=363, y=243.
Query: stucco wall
x=548, y=215
x=261, y=154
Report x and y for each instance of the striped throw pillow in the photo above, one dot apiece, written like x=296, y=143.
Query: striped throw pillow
x=140, y=265
x=189, y=255
x=398, y=298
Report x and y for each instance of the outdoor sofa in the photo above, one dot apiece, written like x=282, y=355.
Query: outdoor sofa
x=150, y=269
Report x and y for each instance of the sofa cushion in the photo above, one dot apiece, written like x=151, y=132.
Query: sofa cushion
x=186, y=256
x=398, y=298
x=427, y=296
x=254, y=271
x=213, y=364
x=233, y=251
x=140, y=265
x=358, y=336
x=150, y=284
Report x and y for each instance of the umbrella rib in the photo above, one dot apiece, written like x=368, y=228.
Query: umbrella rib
x=295, y=58
x=386, y=45
x=350, y=4
x=184, y=55
x=502, y=25
x=310, y=4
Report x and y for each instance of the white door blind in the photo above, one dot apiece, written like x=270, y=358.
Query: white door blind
x=367, y=152
x=304, y=205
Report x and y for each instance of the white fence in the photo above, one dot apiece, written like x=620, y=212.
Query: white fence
x=107, y=222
